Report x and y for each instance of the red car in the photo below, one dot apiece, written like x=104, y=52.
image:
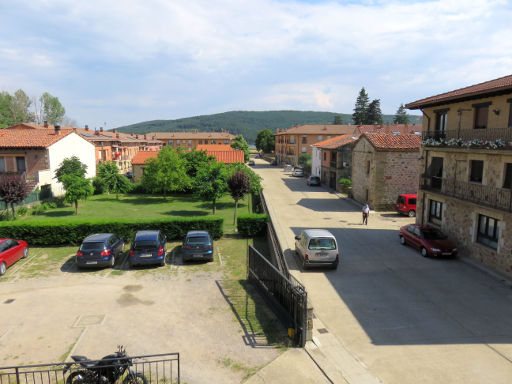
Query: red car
x=429, y=240
x=406, y=204
x=10, y=252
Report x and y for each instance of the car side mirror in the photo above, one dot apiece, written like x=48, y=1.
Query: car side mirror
x=297, y=237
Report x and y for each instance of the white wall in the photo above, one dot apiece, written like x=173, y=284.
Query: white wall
x=70, y=145
x=316, y=162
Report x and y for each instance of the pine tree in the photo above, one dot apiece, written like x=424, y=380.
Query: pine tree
x=373, y=113
x=361, y=108
x=401, y=116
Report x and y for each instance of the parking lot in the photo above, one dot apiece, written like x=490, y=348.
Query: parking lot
x=49, y=310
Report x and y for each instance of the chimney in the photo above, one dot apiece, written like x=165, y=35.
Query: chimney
x=101, y=129
x=57, y=129
x=136, y=136
x=45, y=124
x=277, y=130
x=96, y=132
x=131, y=134
x=114, y=131
x=86, y=127
x=117, y=135
x=145, y=137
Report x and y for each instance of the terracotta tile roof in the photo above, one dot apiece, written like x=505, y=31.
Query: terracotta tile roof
x=191, y=135
x=215, y=147
x=141, y=157
x=403, y=129
x=26, y=137
x=503, y=84
x=336, y=142
x=223, y=153
x=393, y=143
x=325, y=129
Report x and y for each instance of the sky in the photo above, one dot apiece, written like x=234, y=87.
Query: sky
x=114, y=63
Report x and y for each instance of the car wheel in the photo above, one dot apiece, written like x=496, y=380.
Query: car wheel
x=412, y=213
x=402, y=240
x=112, y=261
x=25, y=252
x=3, y=268
x=424, y=252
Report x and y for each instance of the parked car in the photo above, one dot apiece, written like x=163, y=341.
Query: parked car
x=429, y=240
x=148, y=247
x=129, y=174
x=288, y=168
x=197, y=245
x=317, y=247
x=251, y=162
x=406, y=204
x=298, y=172
x=273, y=162
x=99, y=250
x=10, y=252
x=313, y=180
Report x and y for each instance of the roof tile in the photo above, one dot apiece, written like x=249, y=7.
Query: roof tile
x=141, y=157
x=394, y=143
x=27, y=138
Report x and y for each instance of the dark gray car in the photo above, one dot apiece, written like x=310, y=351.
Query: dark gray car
x=99, y=250
x=198, y=245
x=148, y=247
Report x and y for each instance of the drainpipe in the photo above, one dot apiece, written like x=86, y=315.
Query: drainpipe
x=425, y=152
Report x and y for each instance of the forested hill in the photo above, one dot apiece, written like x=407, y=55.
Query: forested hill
x=246, y=123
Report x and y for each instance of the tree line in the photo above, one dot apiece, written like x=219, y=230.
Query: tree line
x=19, y=108
x=369, y=112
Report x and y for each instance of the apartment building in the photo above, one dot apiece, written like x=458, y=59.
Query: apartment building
x=466, y=169
x=190, y=140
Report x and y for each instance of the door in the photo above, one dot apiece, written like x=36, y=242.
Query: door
x=332, y=180
x=436, y=172
x=20, y=164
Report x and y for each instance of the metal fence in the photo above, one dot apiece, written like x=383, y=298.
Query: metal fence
x=157, y=369
x=468, y=134
x=287, y=295
x=31, y=198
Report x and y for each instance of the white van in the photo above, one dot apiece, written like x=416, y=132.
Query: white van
x=317, y=247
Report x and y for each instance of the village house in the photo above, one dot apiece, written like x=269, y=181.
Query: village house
x=466, y=169
x=383, y=166
x=139, y=163
x=35, y=154
x=190, y=140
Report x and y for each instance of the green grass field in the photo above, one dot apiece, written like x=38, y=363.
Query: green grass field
x=145, y=207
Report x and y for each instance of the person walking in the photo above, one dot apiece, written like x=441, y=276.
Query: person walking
x=366, y=213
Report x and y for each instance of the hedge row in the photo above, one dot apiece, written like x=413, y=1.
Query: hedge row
x=72, y=232
x=251, y=225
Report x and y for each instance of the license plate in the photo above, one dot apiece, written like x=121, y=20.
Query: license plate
x=321, y=254
x=446, y=253
x=197, y=256
x=146, y=255
x=92, y=262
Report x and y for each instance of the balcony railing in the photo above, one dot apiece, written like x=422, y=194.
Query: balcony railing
x=23, y=174
x=498, y=198
x=492, y=138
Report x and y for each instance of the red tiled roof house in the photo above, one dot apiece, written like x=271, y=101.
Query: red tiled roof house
x=139, y=163
x=384, y=165
x=223, y=153
x=37, y=153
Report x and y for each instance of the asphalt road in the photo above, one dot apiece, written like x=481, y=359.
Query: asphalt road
x=407, y=318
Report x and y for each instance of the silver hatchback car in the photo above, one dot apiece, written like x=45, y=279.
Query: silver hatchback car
x=317, y=247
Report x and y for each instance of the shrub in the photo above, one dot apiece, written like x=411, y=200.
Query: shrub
x=61, y=232
x=39, y=209
x=99, y=186
x=251, y=224
x=6, y=215
x=345, y=182
x=22, y=211
x=138, y=189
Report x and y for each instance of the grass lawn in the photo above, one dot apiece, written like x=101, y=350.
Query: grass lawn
x=145, y=207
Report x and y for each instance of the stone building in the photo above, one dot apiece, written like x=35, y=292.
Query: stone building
x=466, y=167
x=191, y=139
x=383, y=166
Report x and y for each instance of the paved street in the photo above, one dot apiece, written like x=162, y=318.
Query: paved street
x=404, y=318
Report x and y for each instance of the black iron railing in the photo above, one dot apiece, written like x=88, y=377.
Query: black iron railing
x=157, y=369
x=467, y=135
x=287, y=296
x=493, y=197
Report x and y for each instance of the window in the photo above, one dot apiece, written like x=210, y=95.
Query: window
x=320, y=138
x=441, y=121
x=292, y=139
x=328, y=137
x=213, y=142
x=507, y=179
x=333, y=156
x=488, y=232
x=481, y=114
x=304, y=139
x=226, y=141
x=190, y=142
x=477, y=170
x=2, y=164
x=20, y=164
x=325, y=156
x=200, y=141
x=368, y=167
x=303, y=149
x=510, y=113
x=178, y=142
x=436, y=212
x=171, y=142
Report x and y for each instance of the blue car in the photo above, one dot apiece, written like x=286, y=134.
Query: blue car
x=198, y=245
x=99, y=250
x=148, y=247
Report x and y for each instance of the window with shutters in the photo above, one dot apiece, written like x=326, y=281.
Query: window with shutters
x=481, y=115
x=488, y=232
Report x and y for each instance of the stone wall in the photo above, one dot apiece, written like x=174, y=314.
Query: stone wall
x=362, y=181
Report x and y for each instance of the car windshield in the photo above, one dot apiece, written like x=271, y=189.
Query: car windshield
x=433, y=234
x=145, y=244
x=198, y=240
x=92, y=246
x=326, y=243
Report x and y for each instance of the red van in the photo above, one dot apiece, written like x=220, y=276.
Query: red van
x=406, y=204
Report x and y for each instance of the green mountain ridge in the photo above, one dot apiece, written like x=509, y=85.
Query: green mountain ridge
x=246, y=123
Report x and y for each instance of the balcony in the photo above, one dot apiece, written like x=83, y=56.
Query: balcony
x=333, y=164
x=485, y=138
x=486, y=195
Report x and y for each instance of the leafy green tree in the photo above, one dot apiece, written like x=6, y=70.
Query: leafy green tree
x=13, y=189
x=401, y=116
x=52, y=110
x=211, y=182
x=70, y=166
x=167, y=173
x=114, y=182
x=265, y=141
x=194, y=160
x=239, y=185
x=338, y=120
x=14, y=109
x=361, y=108
x=77, y=188
x=240, y=143
x=374, y=114
x=305, y=159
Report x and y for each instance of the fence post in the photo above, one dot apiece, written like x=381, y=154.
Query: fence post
x=17, y=375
